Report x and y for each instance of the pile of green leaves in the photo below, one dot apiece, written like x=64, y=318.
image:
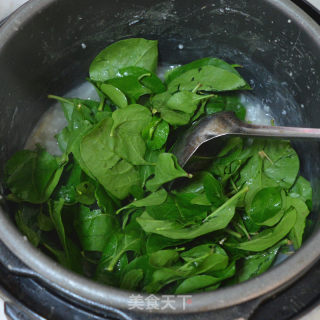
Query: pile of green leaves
x=104, y=208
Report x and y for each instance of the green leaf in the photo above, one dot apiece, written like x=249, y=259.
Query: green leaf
x=226, y=273
x=145, y=171
x=205, y=258
x=71, y=177
x=181, y=106
x=156, y=242
x=55, y=210
x=74, y=143
x=131, y=119
x=62, y=138
x=302, y=189
x=271, y=236
x=162, y=277
x=105, y=201
x=195, y=283
x=153, y=199
x=44, y=222
x=184, y=101
x=217, y=261
x=232, y=103
x=256, y=264
x=284, y=165
x=229, y=102
x=94, y=228
x=98, y=143
x=160, y=100
x=117, y=245
x=163, y=258
x=199, y=259
x=33, y=175
x=176, y=72
x=73, y=257
x=156, y=133
x=200, y=111
x=27, y=221
x=77, y=110
x=201, y=200
x=126, y=131
x=60, y=255
x=296, y=234
x=117, y=176
x=141, y=262
x=112, y=278
x=124, y=53
x=210, y=78
x=166, y=169
x=85, y=193
x=232, y=157
x=130, y=86
x=175, y=118
x=115, y=95
x=195, y=184
x=159, y=137
x=215, y=104
x=213, y=189
x=168, y=210
x=144, y=77
x=131, y=279
x=217, y=220
x=130, y=147
x=266, y=204
x=189, y=211
x=120, y=179
x=250, y=225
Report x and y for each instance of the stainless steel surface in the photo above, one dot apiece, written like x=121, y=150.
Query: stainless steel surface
x=226, y=123
x=75, y=285
x=8, y=6
x=315, y=3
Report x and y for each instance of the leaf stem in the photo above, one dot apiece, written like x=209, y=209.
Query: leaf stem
x=61, y=99
x=144, y=75
x=234, y=185
x=114, y=261
x=262, y=154
x=100, y=108
x=235, y=197
x=196, y=87
x=244, y=230
x=205, y=97
x=233, y=233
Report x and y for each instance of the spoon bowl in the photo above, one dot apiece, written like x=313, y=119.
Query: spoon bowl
x=226, y=123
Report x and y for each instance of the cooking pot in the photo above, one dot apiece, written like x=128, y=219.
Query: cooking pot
x=47, y=46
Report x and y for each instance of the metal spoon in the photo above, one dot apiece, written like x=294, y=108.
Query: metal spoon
x=226, y=123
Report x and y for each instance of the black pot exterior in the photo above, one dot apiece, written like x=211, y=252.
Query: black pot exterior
x=47, y=46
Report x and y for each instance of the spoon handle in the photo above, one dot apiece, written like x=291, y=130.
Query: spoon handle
x=277, y=131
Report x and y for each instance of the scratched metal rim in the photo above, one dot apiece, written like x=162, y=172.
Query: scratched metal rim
x=103, y=296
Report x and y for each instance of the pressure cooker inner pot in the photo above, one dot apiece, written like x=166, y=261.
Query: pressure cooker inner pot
x=48, y=48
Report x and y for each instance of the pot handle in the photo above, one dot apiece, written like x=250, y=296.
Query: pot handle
x=18, y=312
x=13, y=264
x=244, y=311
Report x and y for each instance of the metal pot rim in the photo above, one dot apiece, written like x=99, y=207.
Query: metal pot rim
x=77, y=286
